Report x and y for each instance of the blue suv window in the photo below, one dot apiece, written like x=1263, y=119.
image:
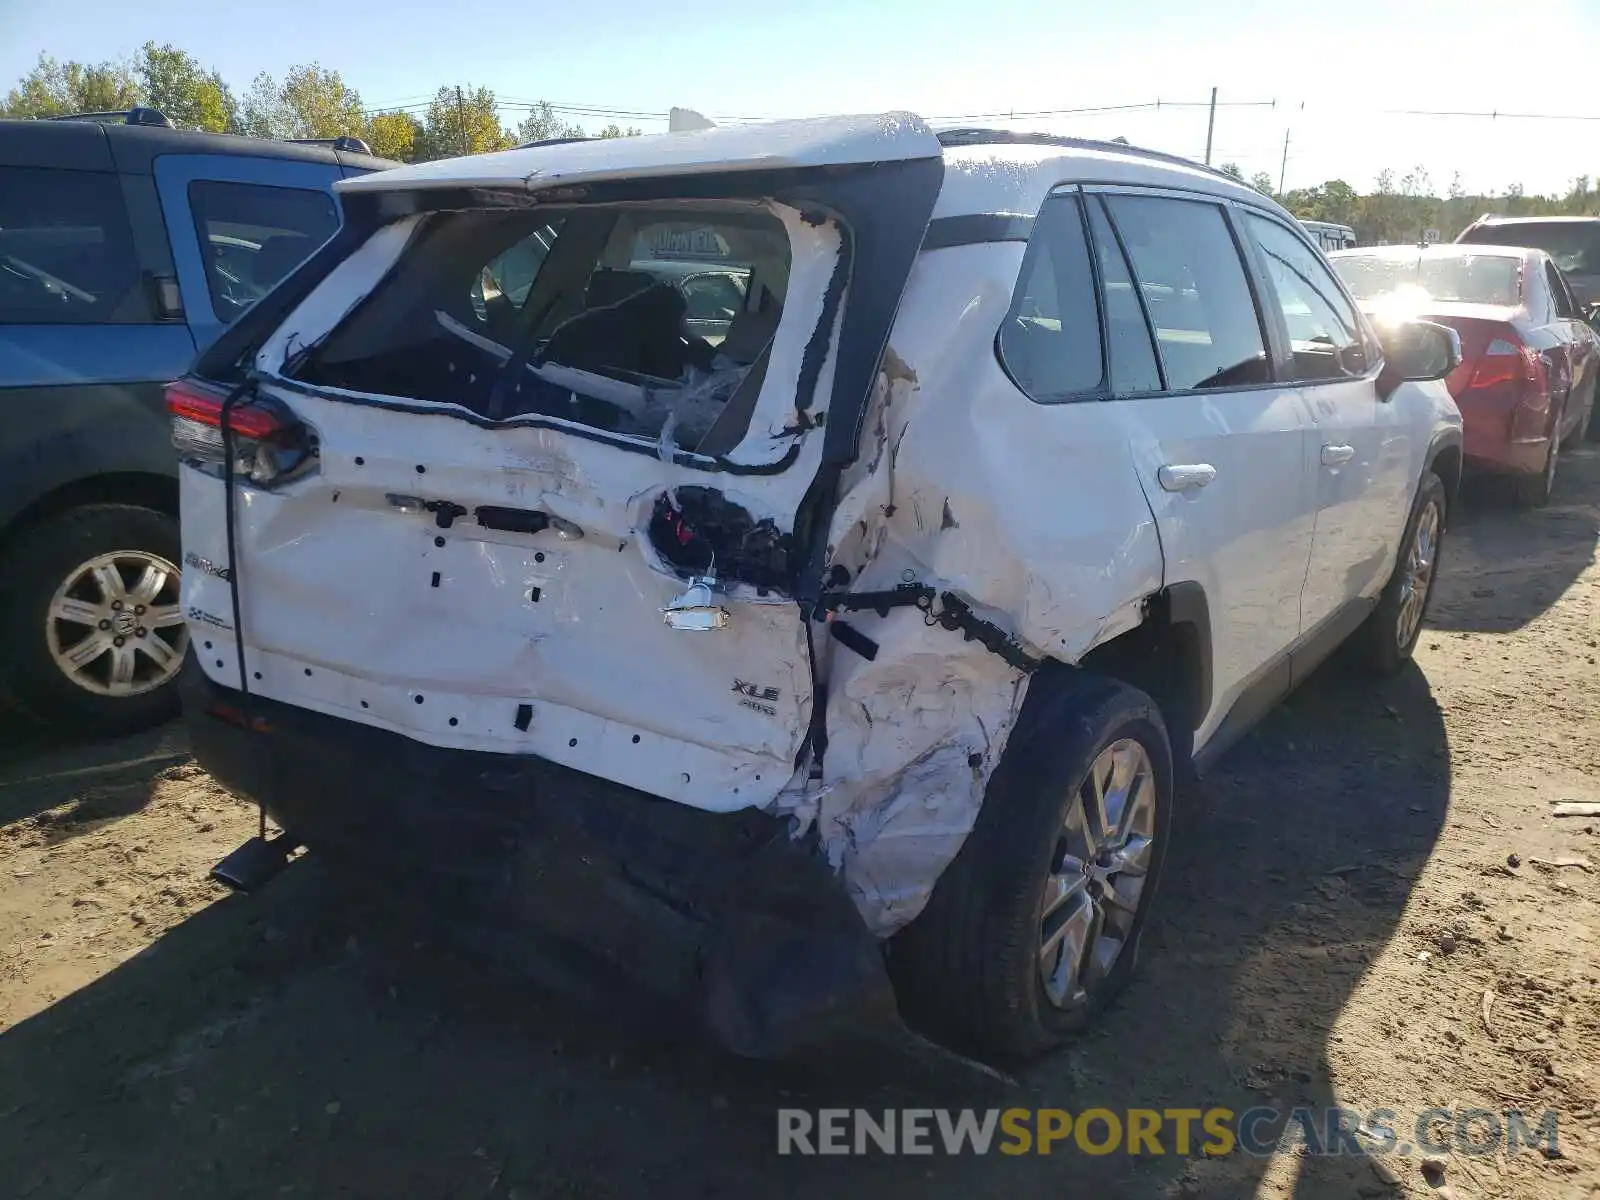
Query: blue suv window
x=252, y=235
x=66, y=252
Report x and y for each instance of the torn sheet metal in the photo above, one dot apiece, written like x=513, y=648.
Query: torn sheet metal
x=963, y=485
x=547, y=640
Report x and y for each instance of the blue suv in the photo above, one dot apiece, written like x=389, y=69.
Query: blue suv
x=126, y=246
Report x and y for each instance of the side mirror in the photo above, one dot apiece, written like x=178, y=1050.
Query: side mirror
x=1591, y=313
x=1417, y=352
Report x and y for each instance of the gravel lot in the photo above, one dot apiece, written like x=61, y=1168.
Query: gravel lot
x=1374, y=862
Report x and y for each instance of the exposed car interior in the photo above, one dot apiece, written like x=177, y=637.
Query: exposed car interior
x=583, y=315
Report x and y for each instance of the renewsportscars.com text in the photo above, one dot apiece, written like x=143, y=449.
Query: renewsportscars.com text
x=1212, y=1131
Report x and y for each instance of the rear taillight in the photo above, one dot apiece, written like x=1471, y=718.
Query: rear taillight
x=1506, y=360
x=269, y=443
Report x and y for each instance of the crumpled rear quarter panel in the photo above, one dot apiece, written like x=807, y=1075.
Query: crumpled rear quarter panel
x=1033, y=511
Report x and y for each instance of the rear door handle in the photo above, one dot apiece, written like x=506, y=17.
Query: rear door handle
x=1181, y=477
x=1333, y=456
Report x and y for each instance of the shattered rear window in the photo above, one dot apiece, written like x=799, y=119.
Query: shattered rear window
x=653, y=322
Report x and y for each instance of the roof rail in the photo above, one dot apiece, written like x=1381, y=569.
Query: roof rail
x=978, y=136
x=126, y=116
x=352, y=145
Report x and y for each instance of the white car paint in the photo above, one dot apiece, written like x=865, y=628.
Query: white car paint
x=1050, y=517
x=775, y=145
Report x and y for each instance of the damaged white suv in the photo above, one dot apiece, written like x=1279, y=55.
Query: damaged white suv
x=864, y=631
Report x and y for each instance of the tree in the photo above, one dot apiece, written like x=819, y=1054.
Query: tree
x=462, y=121
x=541, y=124
x=311, y=102
x=322, y=105
x=394, y=135
x=192, y=97
x=1340, y=202
x=614, y=131
x=263, y=113
x=56, y=89
x=1232, y=171
x=1262, y=182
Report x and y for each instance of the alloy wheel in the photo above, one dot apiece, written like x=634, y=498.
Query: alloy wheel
x=1098, y=873
x=1421, y=558
x=115, y=627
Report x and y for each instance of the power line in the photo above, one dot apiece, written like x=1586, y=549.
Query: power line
x=600, y=110
x=1494, y=115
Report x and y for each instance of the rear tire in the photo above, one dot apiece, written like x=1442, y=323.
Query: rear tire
x=975, y=968
x=1388, y=637
x=59, y=565
x=1534, y=491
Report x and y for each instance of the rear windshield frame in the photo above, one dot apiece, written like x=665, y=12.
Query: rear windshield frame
x=400, y=341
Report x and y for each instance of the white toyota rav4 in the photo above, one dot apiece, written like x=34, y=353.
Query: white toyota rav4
x=867, y=639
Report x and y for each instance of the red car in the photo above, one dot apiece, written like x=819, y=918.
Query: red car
x=1530, y=360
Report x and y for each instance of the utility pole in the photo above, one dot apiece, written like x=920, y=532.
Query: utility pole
x=1211, y=124
x=1283, y=170
x=461, y=118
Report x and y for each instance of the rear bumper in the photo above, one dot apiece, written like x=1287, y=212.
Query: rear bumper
x=1504, y=432
x=1507, y=458
x=721, y=912
x=1488, y=445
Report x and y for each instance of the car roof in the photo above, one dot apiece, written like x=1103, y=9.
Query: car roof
x=763, y=146
x=1441, y=250
x=1497, y=219
x=986, y=170
x=91, y=145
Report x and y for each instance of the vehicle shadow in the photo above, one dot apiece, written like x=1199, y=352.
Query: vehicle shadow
x=42, y=769
x=297, y=1043
x=1506, y=566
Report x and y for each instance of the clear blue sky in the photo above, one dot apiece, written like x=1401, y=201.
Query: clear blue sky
x=1333, y=69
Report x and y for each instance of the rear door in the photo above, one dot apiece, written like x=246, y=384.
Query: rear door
x=83, y=352
x=1222, y=449
x=1363, y=452
x=238, y=225
x=510, y=497
x=1578, y=344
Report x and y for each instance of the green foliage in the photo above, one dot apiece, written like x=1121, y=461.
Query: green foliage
x=311, y=102
x=55, y=89
x=394, y=135
x=542, y=123
x=1398, y=210
x=1262, y=182
x=613, y=130
x=462, y=120
x=192, y=97
x=1232, y=171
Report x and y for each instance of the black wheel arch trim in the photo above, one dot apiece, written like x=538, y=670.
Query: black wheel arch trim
x=1449, y=438
x=1187, y=605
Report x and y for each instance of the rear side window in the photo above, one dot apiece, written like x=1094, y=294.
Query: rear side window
x=252, y=235
x=66, y=251
x=1566, y=306
x=1050, y=340
x=1324, y=335
x=1188, y=270
x=510, y=274
x=1132, y=354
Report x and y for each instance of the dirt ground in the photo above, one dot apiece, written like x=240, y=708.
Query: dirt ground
x=1376, y=861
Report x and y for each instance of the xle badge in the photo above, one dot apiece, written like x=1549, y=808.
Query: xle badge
x=192, y=559
x=753, y=695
